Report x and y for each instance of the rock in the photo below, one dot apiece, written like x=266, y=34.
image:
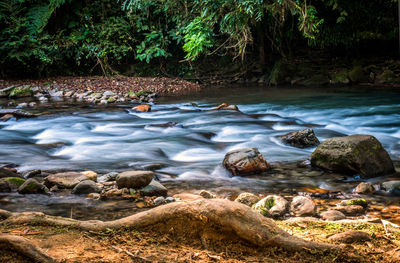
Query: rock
x=94, y=196
x=301, y=139
x=32, y=173
x=187, y=197
x=86, y=187
x=248, y=199
x=154, y=189
x=22, y=105
x=107, y=177
x=272, y=206
x=315, y=81
x=169, y=199
x=4, y=186
x=55, y=93
x=134, y=179
x=361, y=202
x=332, y=215
x=142, y=108
x=387, y=76
x=31, y=186
x=159, y=200
x=357, y=74
x=6, y=91
x=16, y=113
x=111, y=99
x=245, y=161
x=7, y=173
x=390, y=186
x=115, y=192
x=364, y=188
x=65, y=180
x=22, y=91
x=350, y=210
x=15, y=182
x=6, y=117
x=43, y=100
x=355, y=154
x=91, y=175
x=207, y=194
x=302, y=206
x=225, y=106
x=350, y=236
x=103, y=102
x=32, y=104
x=340, y=77
x=108, y=93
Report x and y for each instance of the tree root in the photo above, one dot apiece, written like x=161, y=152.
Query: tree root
x=24, y=247
x=215, y=215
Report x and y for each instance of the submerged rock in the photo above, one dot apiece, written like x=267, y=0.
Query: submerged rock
x=225, y=106
x=272, y=206
x=134, y=179
x=245, y=161
x=31, y=186
x=248, y=199
x=65, y=180
x=355, y=154
x=142, y=108
x=86, y=187
x=302, y=206
x=154, y=188
x=16, y=113
x=301, y=139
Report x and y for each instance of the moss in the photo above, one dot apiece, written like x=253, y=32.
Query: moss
x=31, y=186
x=269, y=203
x=130, y=93
x=15, y=180
x=24, y=91
x=111, y=99
x=361, y=202
x=143, y=93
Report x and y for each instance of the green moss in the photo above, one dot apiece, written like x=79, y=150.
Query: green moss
x=269, y=203
x=130, y=93
x=143, y=93
x=15, y=180
x=24, y=91
x=31, y=186
x=111, y=99
x=361, y=202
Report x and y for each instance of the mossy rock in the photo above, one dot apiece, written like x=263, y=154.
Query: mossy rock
x=357, y=74
x=315, y=81
x=340, y=77
x=111, y=100
x=362, y=202
x=271, y=206
x=16, y=181
x=387, y=76
x=22, y=91
x=281, y=73
x=143, y=93
x=355, y=154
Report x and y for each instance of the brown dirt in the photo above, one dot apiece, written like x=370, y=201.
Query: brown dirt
x=153, y=245
x=118, y=84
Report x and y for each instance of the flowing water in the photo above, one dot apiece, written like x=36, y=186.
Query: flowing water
x=187, y=142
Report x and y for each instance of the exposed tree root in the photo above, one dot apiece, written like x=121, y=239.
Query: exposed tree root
x=24, y=247
x=193, y=217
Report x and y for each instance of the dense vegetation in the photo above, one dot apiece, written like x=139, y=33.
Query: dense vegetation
x=69, y=37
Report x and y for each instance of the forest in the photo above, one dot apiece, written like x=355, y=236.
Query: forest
x=178, y=38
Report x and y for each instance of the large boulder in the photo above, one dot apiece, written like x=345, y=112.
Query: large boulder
x=245, y=161
x=301, y=139
x=355, y=154
x=31, y=186
x=65, y=180
x=86, y=187
x=134, y=179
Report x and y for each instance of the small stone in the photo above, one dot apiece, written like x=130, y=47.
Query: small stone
x=332, y=215
x=95, y=196
x=248, y=199
x=364, y=188
x=225, y=106
x=302, y=206
x=301, y=139
x=142, y=108
x=134, y=179
x=350, y=210
x=108, y=93
x=207, y=194
x=169, y=199
x=350, y=236
x=159, y=200
x=86, y=187
x=31, y=186
x=22, y=105
x=32, y=104
x=154, y=189
x=103, y=102
x=43, y=100
x=107, y=177
x=54, y=188
x=65, y=180
x=91, y=175
x=6, y=117
x=32, y=173
x=272, y=206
